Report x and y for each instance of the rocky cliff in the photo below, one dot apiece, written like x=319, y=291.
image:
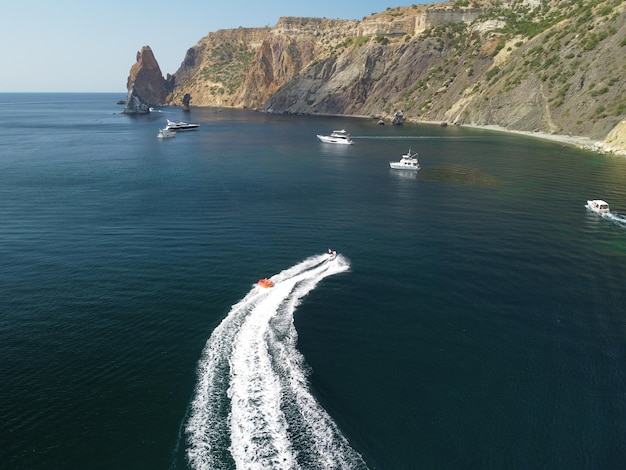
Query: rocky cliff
x=555, y=66
x=146, y=86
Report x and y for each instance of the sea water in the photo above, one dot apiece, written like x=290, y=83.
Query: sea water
x=473, y=318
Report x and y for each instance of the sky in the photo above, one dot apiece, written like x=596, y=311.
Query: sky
x=90, y=46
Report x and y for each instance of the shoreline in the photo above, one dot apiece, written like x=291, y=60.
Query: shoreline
x=584, y=143
x=580, y=142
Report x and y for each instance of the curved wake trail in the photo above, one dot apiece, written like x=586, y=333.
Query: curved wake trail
x=252, y=407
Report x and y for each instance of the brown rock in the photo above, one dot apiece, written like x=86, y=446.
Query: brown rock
x=146, y=85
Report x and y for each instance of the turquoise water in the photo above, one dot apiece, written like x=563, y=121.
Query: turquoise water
x=474, y=317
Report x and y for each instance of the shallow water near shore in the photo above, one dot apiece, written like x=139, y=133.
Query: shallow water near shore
x=474, y=317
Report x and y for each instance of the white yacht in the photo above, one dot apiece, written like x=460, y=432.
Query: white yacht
x=599, y=206
x=181, y=126
x=336, y=137
x=166, y=133
x=407, y=162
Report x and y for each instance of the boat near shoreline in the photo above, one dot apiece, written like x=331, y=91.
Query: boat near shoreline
x=181, y=126
x=336, y=137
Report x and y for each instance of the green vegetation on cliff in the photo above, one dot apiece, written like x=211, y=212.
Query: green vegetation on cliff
x=227, y=65
x=555, y=66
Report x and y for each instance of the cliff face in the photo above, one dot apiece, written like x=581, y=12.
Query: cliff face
x=556, y=66
x=146, y=86
x=213, y=71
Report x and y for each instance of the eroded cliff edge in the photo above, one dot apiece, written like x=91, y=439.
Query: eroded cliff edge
x=555, y=66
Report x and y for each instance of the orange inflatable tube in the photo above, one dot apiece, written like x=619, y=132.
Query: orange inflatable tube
x=265, y=282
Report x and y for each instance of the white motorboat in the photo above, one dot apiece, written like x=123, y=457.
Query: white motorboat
x=407, y=162
x=166, y=133
x=599, y=206
x=336, y=137
x=181, y=126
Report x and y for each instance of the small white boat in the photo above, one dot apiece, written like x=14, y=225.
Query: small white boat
x=407, y=162
x=336, y=137
x=599, y=206
x=181, y=126
x=166, y=133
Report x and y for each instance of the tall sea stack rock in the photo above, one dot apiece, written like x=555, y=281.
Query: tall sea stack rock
x=146, y=85
x=186, y=101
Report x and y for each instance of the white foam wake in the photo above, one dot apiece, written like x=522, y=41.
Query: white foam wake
x=252, y=407
x=616, y=218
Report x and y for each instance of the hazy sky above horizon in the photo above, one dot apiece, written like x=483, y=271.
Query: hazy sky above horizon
x=80, y=46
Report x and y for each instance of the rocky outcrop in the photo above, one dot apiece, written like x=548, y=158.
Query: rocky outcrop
x=186, y=102
x=146, y=86
x=616, y=140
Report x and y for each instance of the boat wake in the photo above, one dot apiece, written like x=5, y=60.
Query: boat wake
x=413, y=137
x=616, y=218
x=252, y=408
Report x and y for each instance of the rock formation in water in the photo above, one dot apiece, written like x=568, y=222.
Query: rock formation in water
x=186, y=101
x=146, y=86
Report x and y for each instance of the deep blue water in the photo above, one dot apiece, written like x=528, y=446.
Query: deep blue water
x=474, y=318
